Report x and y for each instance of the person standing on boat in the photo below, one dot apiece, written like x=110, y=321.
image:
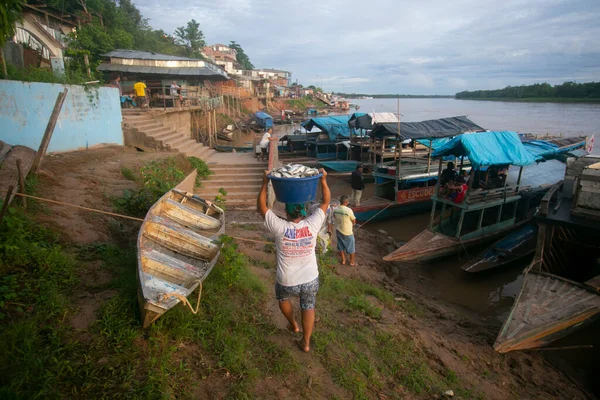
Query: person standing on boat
x=297, y=270
x=264, y=143
x=344, y=221
x=448, y=175
x=357, y=183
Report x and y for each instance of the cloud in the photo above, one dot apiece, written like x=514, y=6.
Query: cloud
x=387, y=46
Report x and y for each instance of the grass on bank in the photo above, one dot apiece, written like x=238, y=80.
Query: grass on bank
x=229, y=342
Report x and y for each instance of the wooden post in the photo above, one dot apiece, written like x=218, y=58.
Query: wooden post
x=21, y=182
x=437, y=191
x=86, y=61
x=6, y=203
x=518, y=180
x=37, y=162
x=214, y=126
x=3, y=61
x=429, y=157
x=399, y=143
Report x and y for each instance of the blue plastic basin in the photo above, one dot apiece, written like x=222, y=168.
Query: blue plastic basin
x=295, y=190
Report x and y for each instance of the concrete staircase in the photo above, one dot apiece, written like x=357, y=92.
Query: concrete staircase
x=162, y=137
x=241, y=181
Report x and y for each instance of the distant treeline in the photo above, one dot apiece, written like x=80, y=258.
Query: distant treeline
x=394, y=96
x=567, y=91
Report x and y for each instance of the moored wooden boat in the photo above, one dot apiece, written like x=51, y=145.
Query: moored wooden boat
x=177, y=249
x=230, y=149
x=561, y=288
x=483, y=215
x=548, y=308
x=509, y=249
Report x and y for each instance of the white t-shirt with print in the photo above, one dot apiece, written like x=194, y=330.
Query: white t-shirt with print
x=295, y=244
x=264, y=142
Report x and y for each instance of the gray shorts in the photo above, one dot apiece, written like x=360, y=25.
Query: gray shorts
x=307, y=292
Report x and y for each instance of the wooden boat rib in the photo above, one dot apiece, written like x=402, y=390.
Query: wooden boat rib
x=177, y=249
x=547, y=308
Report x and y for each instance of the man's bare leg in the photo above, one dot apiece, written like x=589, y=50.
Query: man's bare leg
x=343, y=257
x=352, y=259
x=308, y=323
x=287, y=309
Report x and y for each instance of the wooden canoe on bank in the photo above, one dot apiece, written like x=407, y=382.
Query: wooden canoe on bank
x=177, y=249
x=548, y=308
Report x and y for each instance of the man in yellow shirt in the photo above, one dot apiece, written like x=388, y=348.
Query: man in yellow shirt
x=140, y=92
x=344, y=221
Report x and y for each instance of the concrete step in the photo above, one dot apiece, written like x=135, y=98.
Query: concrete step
x=240, y=176
x=259, y=164
x=252, y=185
x=144, y=125
x=183, y=147
x=165, y=136
x=235, y=168
x=230, y=194
x=181, y=141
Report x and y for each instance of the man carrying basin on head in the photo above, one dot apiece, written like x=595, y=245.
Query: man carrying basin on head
x=297, y=270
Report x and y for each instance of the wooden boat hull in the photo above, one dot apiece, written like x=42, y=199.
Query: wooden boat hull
x=429, y=245
x=547, y=309
x=177, y=249
x=230, y=149
x=505, y=251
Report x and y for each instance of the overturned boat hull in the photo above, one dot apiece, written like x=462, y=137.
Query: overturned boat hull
x=177, y=249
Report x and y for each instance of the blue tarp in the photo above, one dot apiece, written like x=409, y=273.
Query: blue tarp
x=488, y=148
x=435, y=143
x=264, y=119
x=334, y=126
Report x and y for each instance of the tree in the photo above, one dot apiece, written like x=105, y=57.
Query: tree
x=11, y=12
x=192, y=37
x=242, y=58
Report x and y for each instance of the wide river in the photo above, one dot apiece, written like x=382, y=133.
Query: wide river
x=568, y=119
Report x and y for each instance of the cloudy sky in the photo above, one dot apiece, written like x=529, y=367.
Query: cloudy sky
x=403, y=46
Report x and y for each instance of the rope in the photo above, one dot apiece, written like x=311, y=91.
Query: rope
x=184, y=299
x=115, y=214
x=80, y=207
x=386, y=207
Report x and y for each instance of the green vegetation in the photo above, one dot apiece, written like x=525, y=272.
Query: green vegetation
x=156, y=178
x=565, y=92
x=304, y=103
x=106, y=25
x=241, y=57
x=192, y=38
x=395, y=96
x=201, y=167
x=43, y=357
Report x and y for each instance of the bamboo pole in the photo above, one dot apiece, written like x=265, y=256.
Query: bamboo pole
x=21, y=182
x=6, y=203
x=37, y=162
x=429, y=157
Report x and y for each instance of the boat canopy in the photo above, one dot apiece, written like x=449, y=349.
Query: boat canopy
x=264, y=119
x=334, y=126
x=488, y=148
x=556, y=149
x=368, y=121
x=435, y=128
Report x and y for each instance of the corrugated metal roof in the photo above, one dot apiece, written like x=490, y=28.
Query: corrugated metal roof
x=145, y=55
x=191, y=71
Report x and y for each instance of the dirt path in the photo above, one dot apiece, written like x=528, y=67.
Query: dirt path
x=451, y=339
